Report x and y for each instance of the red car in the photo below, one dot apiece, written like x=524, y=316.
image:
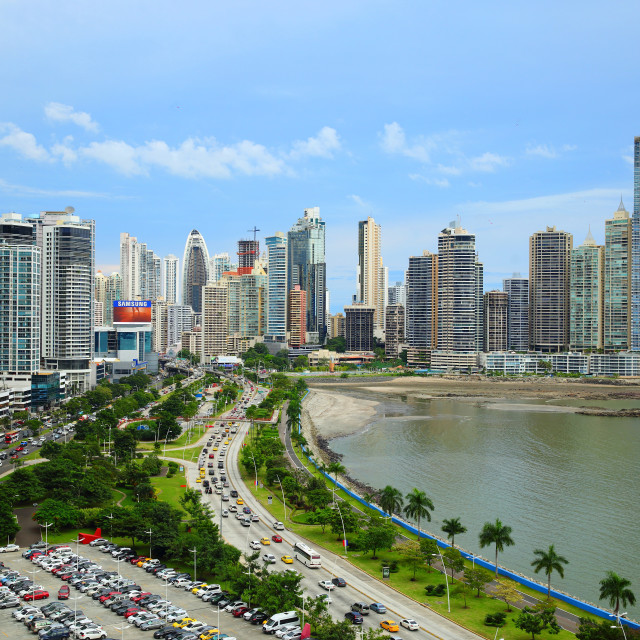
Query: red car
x=65, y=568
x=38, y=594
x=276, y=538
x=63, y=592
x=212, y=455
x=239, y=612
x=19, y=448
x=132, y=611
x=139, y=597
x=106, y=596
x=137, y=559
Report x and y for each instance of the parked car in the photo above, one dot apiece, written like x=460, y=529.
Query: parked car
x=354, y=617
x=63, y=592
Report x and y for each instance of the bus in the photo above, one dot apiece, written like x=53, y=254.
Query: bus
x=306, y=555
x=11, y=436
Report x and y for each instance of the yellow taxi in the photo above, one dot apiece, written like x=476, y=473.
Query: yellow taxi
x=184, y=622
x=214, y=448
x=141, y=562
x=265, y=541
x=208, y=635
x=203, y=471
x=239, y=501
x=390, y=626
x=199, y=479
x=196, y=589
x=287, y=559
x=227, y=442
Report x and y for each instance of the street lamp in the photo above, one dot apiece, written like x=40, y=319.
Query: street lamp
x=121, y=628
x=195, y=553
x=46, y=534
x=446, y=579
x=284, y=504
x=75, y=608
x=149, y=532
x=111, y=516
x=617, y=616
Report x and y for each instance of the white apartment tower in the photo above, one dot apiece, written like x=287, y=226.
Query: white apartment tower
x=373, y=278
x=170, y=279
x=140, y=268
x=215, y=326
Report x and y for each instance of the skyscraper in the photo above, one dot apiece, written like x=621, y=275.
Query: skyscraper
x=140, y=268
x=195, y=270
x=20, y=290
x=248, y=253
x=617, y=281
x=215, y=322
x=359, y=327
x=496, y=306
x=422, y=308
x=170, y=272
x=372, y=276
x=517, y=288
x=297, y=309
x=459, y=273
x=587, y=294
x=179, y=320
x=393, y=330
x=635, y=269
x=159, y=319
x=549, y=277
x=307, y=268
x=397, y=293
x=247, y=302
x=218, y=264
x=68, y=250
x=277, y=286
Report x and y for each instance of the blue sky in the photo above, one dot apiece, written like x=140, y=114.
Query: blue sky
x=157, y=117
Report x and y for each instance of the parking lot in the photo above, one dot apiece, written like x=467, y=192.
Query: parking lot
x=115, y=625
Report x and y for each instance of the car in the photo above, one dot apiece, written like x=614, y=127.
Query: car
x=269, y=558
x=9, y=547
x=325, y=597
x=361, y=608
x=259, y=617
x=37, y=594
x=255, y=518
x=254, y=544
x=327, y=584
x=91, y=634
x=276, y=538
x=390, y=625
x=410, y=624
x=233, y=508
x=239, y=501
x=63, y=592
x=378, y=607
x=278, y=526
x=265, y=541
x=339, y=582
x=354, y=617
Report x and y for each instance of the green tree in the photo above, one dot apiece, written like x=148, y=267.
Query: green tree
x=337, y=344
x=418, y=506
x=335, y=468
x=535, y=621
x=429, y=549
x=616, y=590
x=410, y=551
x=549, y=561
x=498, y=534
x=452, y=528
x=377, y=535
x=507, y=592
x=61, y=515
x=591, y=629
x=477, y=579
x=8, y=523
x=453, y=560
x=321, y=517
x=279, y=591
x=390, y=500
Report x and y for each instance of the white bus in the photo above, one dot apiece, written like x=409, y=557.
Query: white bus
x=306, y=555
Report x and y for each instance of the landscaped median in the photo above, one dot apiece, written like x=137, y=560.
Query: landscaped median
x=467, y=609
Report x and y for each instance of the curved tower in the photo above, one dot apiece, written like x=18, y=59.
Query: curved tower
x=195, y=270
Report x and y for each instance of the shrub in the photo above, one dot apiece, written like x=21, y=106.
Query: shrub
x=435, y=589
x=495, y=619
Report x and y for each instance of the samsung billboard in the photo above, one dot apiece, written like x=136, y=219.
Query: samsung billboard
x=131, y=311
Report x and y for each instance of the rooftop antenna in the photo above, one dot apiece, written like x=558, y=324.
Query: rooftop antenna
x=254, y=231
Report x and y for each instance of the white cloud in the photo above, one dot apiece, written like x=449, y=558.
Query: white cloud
x=22, y=190
x=323, y=145
x=358, y=200
x=57, y=112
x=115, y=153
x=435, y=182
x=393, y=140
x=22, y=142
x=569, y=147
x=64, y=151
x=628, y=159
x=488, y=162
x=542, y=150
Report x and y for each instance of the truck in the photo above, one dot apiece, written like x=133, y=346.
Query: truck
x=11, y=436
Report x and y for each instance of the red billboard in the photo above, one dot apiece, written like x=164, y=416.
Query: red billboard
x=131, y=311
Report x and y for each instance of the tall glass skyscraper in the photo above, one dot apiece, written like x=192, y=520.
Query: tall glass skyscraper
x=307, y=267
x=635, y=250
x=195, y=270
x=277, y=285
x=517, y=289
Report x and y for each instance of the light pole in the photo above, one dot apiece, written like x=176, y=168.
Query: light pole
x=473, y=560
x=118, y=561
x=75, y=608
x=33, y=585
x=121, y=628
x=149, y=532
x=195, y=553
x=46, y=535
x=446, y=579
x=110, y=516
x=617, y=616
x=284, y=504
x=255, y=469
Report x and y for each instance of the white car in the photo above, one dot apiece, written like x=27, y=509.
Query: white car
x=278, y=526
x=324, y=596
x=327, y=584
x=268, y=558
x=254, y=544
x=91, y=634
x=410, y=624
x=9, y=547
x=98, y=542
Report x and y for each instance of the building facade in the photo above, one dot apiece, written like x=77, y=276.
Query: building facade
x=393, y=330
x=220, y=263
x=248, y=255
x=549, y=292
x=215, y=321
x=372, y=276
x=195, y=270
x=517, y=289
x=170, y=271
x=422, y=308
x=359, y=327
x=277, y=286
x=617, y=281
x=179, y=320
x=496, y=315
x=635, y=250
x=307, y=268
x=297, y=316
x=587, y=296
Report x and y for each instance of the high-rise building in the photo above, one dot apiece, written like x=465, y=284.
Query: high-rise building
x=68, y=257
x=215, y=322
x=106, y=290
x=549, y=296
x=307, y=268
x=98, y=313
x=170, y=272
x=359, y=327
x=277, y=286
x=297, y=316
x=617, y=281
x=393, y=330
x=496, y=306
x=397, y=293
x=159, y=325
x=20, y=291
x=247, y=302
x=372, y=275
x=195, y=270
x=179, y=320
x=336, y=326
x=459, y=285
x=479, y=273
x=635, y=251
x=587, y=296
x=140, y=268
x=422, y=308
x=219, y=264
x=248, y=254
x=517, y=288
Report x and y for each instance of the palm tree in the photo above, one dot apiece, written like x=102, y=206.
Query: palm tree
x=335, y=468
x=418, y=506
x=452, y=528
x=617, y=590
x=390, y=499
x=498, y=534
x=550, y=561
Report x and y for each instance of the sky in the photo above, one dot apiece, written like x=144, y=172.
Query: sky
x=157, y=117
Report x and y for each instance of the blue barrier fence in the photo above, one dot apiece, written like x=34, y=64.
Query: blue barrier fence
x=589, y=608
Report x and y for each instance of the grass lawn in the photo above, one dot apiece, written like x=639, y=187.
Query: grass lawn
x=170, y=489
x=471, y=617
